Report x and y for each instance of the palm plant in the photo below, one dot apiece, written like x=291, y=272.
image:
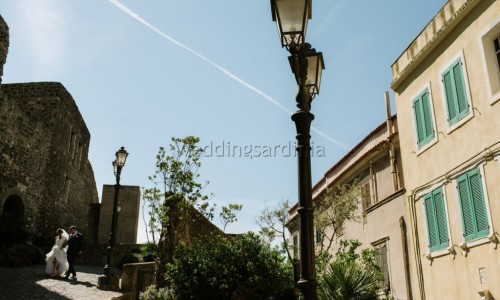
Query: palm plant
x=345, y=280
x=351, y=275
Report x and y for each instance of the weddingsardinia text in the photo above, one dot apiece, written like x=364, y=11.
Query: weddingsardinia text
x=226, y=149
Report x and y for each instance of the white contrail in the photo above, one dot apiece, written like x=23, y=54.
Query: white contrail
x=222, y=69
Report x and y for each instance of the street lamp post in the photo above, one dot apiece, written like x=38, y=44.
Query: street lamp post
x=109, y=280
x=291, y=17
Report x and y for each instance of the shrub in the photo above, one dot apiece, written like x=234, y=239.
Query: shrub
x=154, y=293
x=149, y=252
x=128, y=258
x=243, y=265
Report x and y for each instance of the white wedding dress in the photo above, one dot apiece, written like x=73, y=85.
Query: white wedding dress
x=57, y=253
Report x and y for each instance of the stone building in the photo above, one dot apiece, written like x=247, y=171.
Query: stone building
x=447, y=92
x=374, y=164
x=46, y=179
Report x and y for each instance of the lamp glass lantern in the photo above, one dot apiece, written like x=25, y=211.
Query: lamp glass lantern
x=315, y=67
x=121, y=157
x=115, y=167
x=291, y=17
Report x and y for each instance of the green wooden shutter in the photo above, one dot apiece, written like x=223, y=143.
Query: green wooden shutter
x=423, y=118
x=478, y=203
x=442, y=232
x=429, y=127
x=455, y=92
x=417, y=107
x=474, y=214
x=431, y=221
x=450, y=97
x=460, y=88
x=436, y=220
x=468, y=218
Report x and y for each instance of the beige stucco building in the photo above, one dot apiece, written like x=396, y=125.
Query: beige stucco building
x=381, y=224
x=447, y=92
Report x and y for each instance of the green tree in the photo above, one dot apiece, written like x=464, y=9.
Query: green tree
x=272, y=222
x=338, y=205
x=273, y=225
x=228, y=214
x=221, y=268
x=175, y=190
x=351, y=275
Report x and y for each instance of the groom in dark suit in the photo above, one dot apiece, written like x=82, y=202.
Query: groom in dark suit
x=75, y=245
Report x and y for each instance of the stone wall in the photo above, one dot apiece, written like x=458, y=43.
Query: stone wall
x=96, y=255
x=44, y=145
x=196, y=227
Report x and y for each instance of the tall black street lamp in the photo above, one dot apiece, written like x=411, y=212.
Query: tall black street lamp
x=109, y=280
x=292, y=16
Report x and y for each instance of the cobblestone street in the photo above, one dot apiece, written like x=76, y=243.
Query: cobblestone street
x=32, y=283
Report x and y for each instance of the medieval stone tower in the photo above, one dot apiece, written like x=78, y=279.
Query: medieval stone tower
x=46, y=179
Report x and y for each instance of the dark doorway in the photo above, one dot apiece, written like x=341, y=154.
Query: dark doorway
x=13, y=206
x=12, y=223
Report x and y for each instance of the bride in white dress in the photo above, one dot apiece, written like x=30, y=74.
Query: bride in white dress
x=57, y=262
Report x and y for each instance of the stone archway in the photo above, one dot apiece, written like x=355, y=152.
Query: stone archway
x=14, y=206
x=12, y=221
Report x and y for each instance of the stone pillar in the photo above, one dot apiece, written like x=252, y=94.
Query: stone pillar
x=128, y=218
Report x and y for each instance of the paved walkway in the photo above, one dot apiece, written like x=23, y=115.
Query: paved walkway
x=32, y=283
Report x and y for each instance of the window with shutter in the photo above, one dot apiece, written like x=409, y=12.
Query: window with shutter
x=319, y=237
x=437, y=223
x=296, y=246
x=365, y=198
x=423, y=118
x=382, y=261
x=455, y=92
x=472, y=202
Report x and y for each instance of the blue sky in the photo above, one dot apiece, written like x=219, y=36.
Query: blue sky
x=143, y=71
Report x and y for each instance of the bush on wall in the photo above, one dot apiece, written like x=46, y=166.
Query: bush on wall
x=218, y=269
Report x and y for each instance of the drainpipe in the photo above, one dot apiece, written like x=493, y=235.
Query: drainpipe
x=416, y=244
x=392, y=150
x=404, y=244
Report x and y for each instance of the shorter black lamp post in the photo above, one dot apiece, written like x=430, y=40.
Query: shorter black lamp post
x=110, y=280
x=291, y=17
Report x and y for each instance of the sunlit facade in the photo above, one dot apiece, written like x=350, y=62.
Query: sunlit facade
x=447, y=92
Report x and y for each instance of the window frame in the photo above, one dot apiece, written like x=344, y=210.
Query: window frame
x=295, y=246
x=491, y=66
x=444, y=245
x=458, y=58
x=366, y=202
x=477, y=235
x=318, y=237
x=378, y=245
x=429, y=141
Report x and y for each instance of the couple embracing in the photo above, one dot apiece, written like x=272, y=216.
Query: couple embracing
x=62, y=256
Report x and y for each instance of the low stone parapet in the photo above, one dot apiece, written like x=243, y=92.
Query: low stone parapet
x=136, y=278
